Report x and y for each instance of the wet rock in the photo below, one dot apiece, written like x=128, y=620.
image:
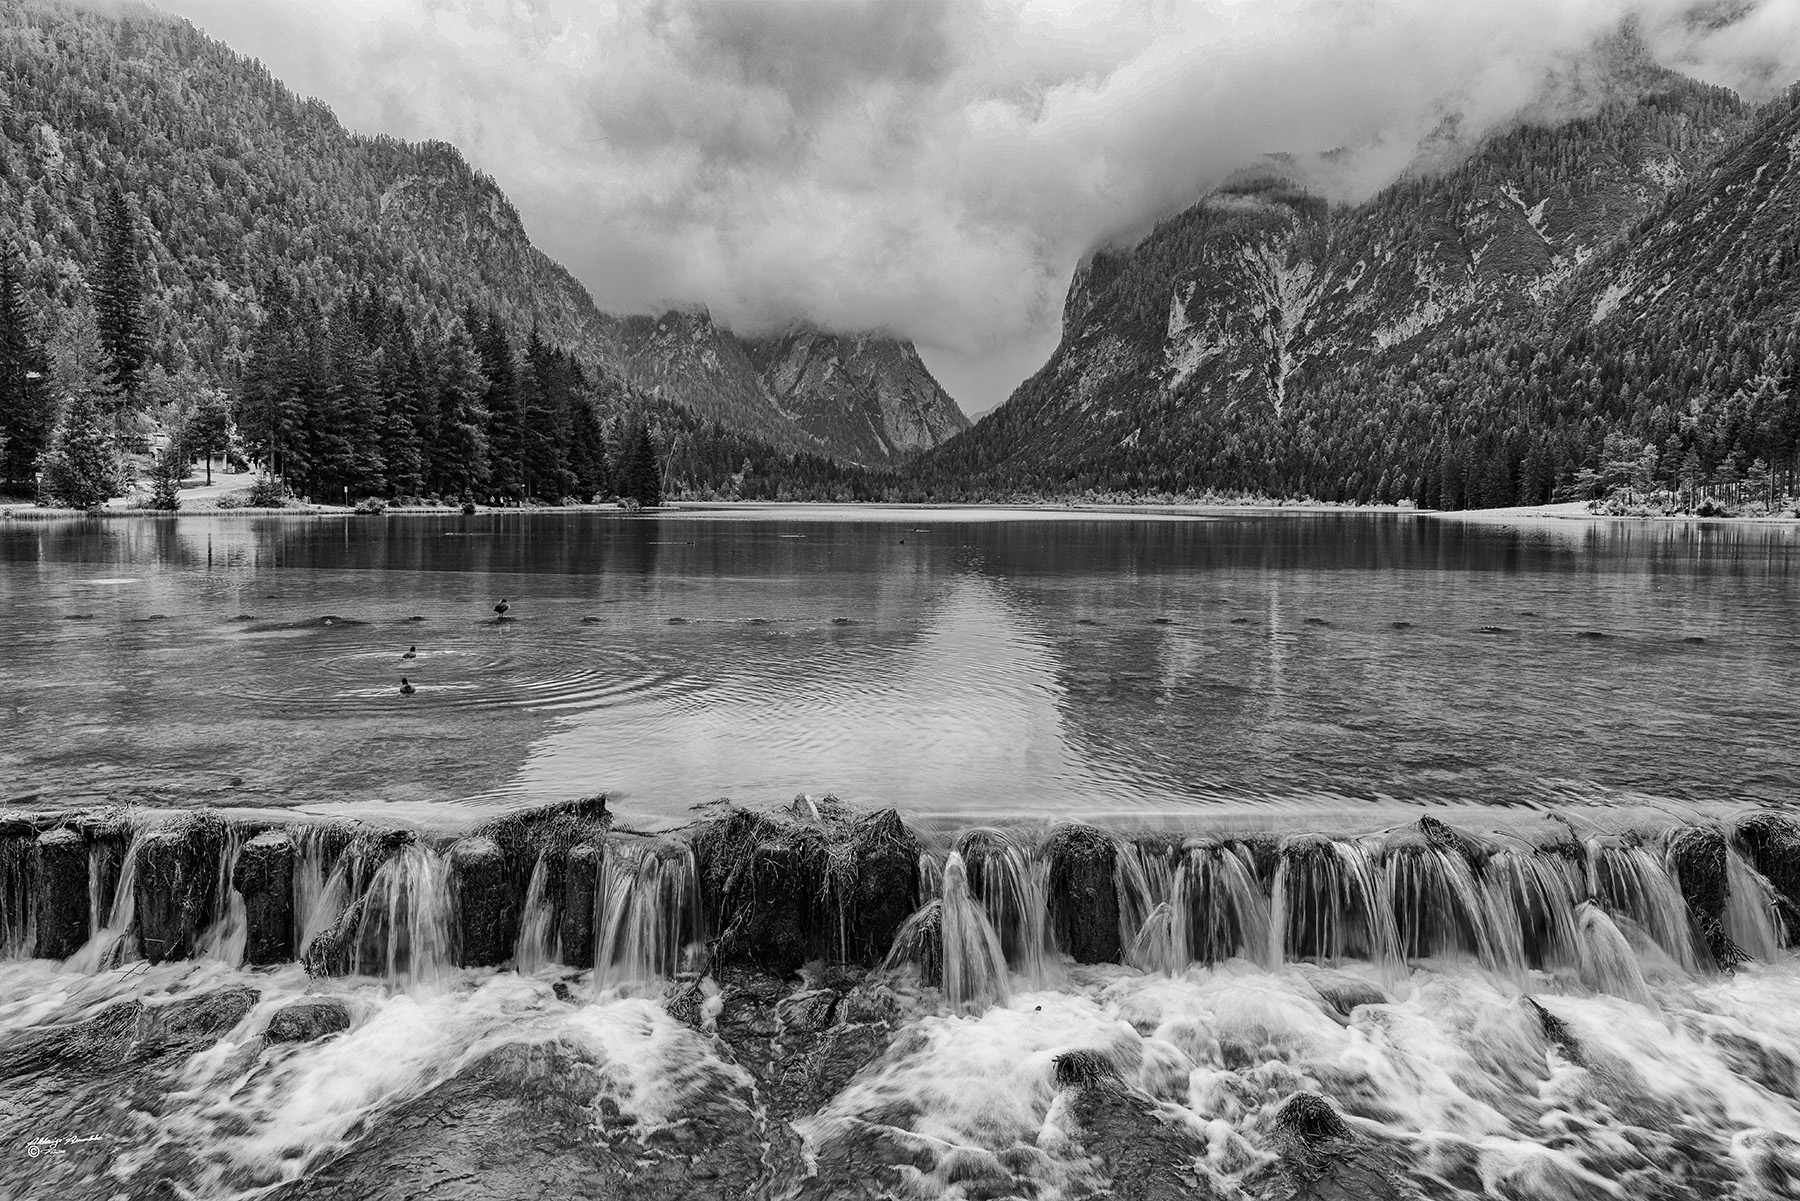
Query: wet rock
x=1322, y=1159
x=1725, y=951
x=1084, y=907
x=521, y=1123
x=763, y=880
x=307, y=1019
x=485, y=910
x=546, y=833
x=1343, y=992
x=824, y=810
x=60, y=892
x=921, y=942
x=1447, y=838
x=808, y=1011
x=1771, y=841
x=857, y=1160
x=885, y=888
x=1557, y=1033
x=581, y=878
x=1310, y=1119
x=1698, y=855
x=813, y=1071
x=264, y=875
x=687, y=1001
x=201, y=1020
x=1139, y=1153
x=177, y=884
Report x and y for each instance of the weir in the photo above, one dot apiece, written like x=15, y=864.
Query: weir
x=980, y=915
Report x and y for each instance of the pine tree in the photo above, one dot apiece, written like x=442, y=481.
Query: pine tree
x=641, y=472
x=505, y=410
x=119, y=293
x=459, y=447
x=81, y=468
x=545, y=390
x=27, y=410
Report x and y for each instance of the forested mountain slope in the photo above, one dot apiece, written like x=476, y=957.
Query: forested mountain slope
x=233, y=181
x=1467, y=338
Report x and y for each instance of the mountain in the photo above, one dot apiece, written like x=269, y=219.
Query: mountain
x=859, y=398
x=1472, y=336
x=236, y=186
x=873, y=397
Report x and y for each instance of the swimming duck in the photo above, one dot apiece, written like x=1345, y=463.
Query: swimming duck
x=412, y=652
x=406, y=688
x=502, y=607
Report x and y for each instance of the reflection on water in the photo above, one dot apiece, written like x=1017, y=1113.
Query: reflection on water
x=1096, y=664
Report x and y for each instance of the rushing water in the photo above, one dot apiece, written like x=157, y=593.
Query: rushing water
x=946, y=662
x=1494, y=1021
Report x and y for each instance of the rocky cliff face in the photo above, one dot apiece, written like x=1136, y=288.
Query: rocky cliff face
x=857, y=398
x=1264, y=341
x=869, y=398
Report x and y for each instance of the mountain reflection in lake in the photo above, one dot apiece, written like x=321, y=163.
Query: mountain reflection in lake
x=981, y=665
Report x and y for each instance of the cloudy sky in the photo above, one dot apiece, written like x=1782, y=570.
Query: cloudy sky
x=934, y=168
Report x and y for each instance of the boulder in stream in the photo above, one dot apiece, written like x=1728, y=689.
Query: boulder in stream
x=308, y=1018
x=1084, y=905
x=264, y=875
x=178, y=883
x=486, y=913
x=60, y=892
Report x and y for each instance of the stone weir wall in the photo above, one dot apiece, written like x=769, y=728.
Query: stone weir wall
x=772, y=891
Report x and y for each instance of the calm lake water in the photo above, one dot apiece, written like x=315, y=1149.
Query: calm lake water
x=949, y=662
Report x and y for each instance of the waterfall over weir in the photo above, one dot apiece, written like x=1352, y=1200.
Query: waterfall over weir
x=992, y=911
x=811, y=1002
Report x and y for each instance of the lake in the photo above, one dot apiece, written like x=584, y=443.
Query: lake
x=956, y=663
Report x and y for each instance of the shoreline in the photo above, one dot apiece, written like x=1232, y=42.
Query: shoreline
x=1572, y=511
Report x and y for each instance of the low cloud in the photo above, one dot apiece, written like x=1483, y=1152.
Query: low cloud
x=932, y=167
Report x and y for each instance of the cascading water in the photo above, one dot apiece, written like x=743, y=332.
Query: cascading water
x=1218, y=910
x=1631, y=882
x=404, y=933
x=1143, y=879
x=537, y=946
x=1612, y=1069
x=15, y=897
x=1530, y=902
x=115, y=942
x=317, y=853
x=1605, y=958
x=1330, y=903
x=974, y=961
x=952, y=942
x=647, y=913
x=1751, y=918
x=1012, y=888
x=223, y=938
x=1439, y=908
